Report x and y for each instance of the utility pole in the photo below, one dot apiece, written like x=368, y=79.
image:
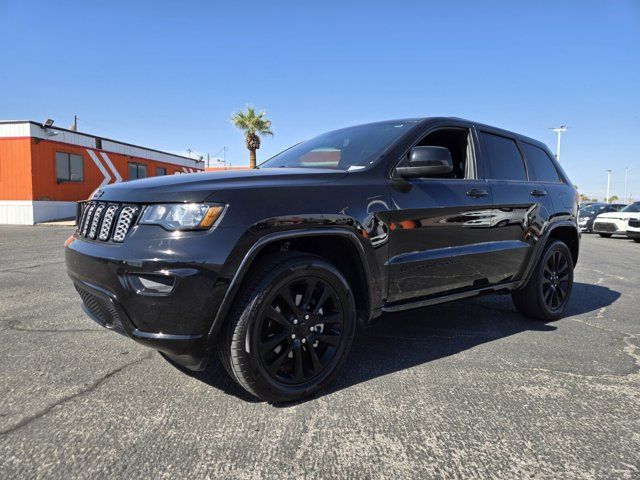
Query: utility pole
x=224, y=157
x=606, y=200
x=559, y=130
x=626, y=174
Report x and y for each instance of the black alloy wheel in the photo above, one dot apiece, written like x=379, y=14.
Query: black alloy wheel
x=555, y=282
x=548, y=290
x=291, y=329
x=299, y=330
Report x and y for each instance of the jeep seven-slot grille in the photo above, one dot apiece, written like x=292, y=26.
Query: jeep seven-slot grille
x=106, y=221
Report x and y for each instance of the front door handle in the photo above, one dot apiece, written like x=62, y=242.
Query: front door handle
x=477, y=193
x=538, y=193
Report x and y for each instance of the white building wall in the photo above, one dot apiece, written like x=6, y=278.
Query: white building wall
x=27, y=212
x=62, y=136
x=15, y=130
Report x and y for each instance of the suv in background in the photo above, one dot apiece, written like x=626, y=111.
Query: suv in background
x=615, y=223
x=272, y=269
x=633, y=228
x=588, y=213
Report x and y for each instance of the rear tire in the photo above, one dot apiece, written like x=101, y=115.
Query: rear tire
x=637, y=240
x=546, y=294
x=291, y=328
x=605, y=235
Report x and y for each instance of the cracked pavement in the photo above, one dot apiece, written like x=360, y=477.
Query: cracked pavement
x=466, y=389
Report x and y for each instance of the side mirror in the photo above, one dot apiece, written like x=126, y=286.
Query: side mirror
x=427, y=161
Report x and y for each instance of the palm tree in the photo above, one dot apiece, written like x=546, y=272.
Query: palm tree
x=253, y=125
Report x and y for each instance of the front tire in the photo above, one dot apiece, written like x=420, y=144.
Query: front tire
x=291, y=329
x=546, y=294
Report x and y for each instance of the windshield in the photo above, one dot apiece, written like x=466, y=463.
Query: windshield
x=592, y=209
x=633, y=208
x=348, y=148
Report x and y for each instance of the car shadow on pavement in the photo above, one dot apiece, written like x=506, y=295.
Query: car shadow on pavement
x=403, y=340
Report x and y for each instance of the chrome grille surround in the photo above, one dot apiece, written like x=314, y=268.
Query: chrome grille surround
x=107, y=221
x=97, y=216
x=87, y=218
x=124, y=222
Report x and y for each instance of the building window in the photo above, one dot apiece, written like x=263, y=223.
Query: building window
x=69, y=167
x=161, y=171
x=137, y=170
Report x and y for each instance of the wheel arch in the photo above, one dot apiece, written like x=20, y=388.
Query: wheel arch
x=331, y=243
x=568, y=234
x=563, y=230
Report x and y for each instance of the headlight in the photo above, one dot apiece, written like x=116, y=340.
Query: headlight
x=182, y=216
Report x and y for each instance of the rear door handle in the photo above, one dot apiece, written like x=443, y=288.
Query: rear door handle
x=538, y=193
x=477, y=193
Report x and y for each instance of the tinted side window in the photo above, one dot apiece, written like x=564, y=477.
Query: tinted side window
x=505, y=161
x=539, y=164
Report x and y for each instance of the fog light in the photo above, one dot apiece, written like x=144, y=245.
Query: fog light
x=151, y=284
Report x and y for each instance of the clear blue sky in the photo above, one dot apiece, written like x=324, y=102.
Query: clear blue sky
x=170, y=74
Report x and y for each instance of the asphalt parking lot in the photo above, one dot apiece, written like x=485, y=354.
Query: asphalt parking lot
x=467, y=389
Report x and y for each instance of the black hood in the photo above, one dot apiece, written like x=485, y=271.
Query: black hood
x=197, y=187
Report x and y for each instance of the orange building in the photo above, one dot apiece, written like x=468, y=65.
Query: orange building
x=44, y=170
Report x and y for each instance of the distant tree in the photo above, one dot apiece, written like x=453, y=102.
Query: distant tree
x=253, y=125
x=584, y=198
x=612, y=199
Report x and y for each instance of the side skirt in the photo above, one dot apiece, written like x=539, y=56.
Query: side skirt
x=425, y=302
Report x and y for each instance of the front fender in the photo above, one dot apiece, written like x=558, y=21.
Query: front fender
x=252, y=244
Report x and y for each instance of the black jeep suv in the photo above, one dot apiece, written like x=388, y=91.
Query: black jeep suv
x=274, y=268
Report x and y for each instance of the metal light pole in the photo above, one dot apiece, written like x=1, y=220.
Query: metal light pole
x=559, y=130
x=626, y=174
x=606, y=200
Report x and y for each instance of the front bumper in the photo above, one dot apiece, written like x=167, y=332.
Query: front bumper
x=177, y=323
x=633, y=232
x=585, y=224
x=104, y=309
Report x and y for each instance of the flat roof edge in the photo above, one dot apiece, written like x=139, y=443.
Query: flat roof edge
x=32, y=122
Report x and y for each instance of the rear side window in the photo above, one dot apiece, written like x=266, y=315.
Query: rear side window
x=539, y=164
x=505, y=161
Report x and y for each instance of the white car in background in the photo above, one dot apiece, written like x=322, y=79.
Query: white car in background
x=633, y=228
x=615, y=223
